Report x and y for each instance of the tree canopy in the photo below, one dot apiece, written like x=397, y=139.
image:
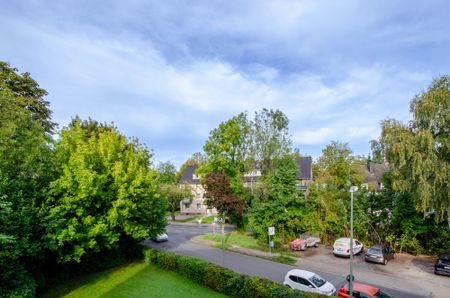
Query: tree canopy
x=106, y=194
x=419, y=151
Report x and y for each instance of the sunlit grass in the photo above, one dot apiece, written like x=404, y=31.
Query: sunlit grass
x=133, y=280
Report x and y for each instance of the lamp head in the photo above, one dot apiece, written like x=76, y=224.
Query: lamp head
x=353, y=189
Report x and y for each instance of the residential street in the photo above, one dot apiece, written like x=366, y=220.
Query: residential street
x=333, y=269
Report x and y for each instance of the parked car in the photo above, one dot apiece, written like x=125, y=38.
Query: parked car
x=379, y=254
x=298, y=244
x=160, y=238
x=442, y=265
x=309, y=282
x=361, y=290
x=311, y=240
x=341, y=247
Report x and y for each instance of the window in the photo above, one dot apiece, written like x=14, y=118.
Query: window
x=199, y=205
x=293, y=278
x=317, y=280
x=303, y=281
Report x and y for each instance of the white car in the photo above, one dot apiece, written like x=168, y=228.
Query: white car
x=309, y=282
x=341, y=247
x=161, y=238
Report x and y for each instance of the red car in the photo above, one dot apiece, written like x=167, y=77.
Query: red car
x=298, y=244
x=362, y=290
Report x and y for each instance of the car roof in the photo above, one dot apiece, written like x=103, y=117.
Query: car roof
x=302, y=273
x=367, y=289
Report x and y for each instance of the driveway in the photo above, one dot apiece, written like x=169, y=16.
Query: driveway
x=400, y=283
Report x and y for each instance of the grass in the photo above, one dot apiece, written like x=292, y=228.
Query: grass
x=284, y=259
x=132, y=280
x=239, y=239
x=186, y=219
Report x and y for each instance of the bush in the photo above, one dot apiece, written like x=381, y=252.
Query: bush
x=221, y=279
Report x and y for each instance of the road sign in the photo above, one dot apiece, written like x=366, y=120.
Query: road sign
x=271, y=243
x=271, y=231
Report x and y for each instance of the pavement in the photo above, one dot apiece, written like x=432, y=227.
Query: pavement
x=406, y=276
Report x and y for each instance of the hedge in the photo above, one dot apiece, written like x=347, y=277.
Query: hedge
x=221, y=279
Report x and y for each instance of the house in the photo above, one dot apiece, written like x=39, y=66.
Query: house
x=197, y=205
x=374, y=172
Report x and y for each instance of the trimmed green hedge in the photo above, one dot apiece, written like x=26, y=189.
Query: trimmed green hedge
x=221, y=279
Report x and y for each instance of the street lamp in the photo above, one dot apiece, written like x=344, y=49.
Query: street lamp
x=353, y=189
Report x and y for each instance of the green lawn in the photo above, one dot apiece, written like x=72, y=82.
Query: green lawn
x=238, y=238
x=133, y=280
x=243, y=240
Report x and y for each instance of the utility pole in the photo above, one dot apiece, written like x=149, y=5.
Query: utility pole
x=353, y=189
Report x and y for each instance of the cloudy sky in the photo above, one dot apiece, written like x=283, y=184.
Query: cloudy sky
x=168, y=72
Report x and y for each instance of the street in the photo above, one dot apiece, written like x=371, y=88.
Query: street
x=333, y=269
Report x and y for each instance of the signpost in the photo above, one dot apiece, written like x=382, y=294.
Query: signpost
x=271, y=233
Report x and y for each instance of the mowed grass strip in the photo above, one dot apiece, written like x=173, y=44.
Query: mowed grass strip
x=238, y=239
x=132, y=280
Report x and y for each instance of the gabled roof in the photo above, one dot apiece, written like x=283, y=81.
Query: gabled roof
x=188, y=175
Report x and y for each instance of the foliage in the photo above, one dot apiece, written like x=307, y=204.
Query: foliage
x=270, y=139
x=174, y=194
x=282, y=208
x=27, y=95
x=167, y=173
x=221, y=279
x=25, y=172
x=105, y=196
x=220, y=195
x=227, y=151
x=419, y=151
x=328, y=202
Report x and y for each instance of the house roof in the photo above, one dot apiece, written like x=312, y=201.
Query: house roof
x=374, y=171
x=304, y=172
x=188, y=175
x=304, y=168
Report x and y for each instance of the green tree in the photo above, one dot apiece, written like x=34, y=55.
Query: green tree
x=227, y=151
x=328, y=200
x=25, y=173
x=270, y=139
x=419, y=151
x=167, y=172
x=106, y=196
x=174, y=194
x=27, y=94
x=283, y=208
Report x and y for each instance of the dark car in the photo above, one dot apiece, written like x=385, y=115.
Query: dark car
x=379, y=254
x=442, y=265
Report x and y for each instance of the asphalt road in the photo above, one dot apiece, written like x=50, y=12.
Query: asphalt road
x=179, y=242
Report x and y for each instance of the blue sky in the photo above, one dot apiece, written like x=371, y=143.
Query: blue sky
x=168, y=72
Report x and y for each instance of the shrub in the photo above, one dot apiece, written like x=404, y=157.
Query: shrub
x=221, y=279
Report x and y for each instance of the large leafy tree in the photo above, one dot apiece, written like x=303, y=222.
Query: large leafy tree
x=328, y=201
x=27, y=94
x=419, y=151
x=106, y=195
x=283, y=208
x=227, y=150
x=220, y=195
x=167, y=172
x=270, y=139
x=25, y=173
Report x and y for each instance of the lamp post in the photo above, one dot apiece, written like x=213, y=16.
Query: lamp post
x=353, y=189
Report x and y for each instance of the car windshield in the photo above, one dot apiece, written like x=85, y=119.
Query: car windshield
x=382, y=294
x=317, y=280
x=374, y=250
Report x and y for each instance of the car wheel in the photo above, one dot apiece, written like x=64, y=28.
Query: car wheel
x=385, y=262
